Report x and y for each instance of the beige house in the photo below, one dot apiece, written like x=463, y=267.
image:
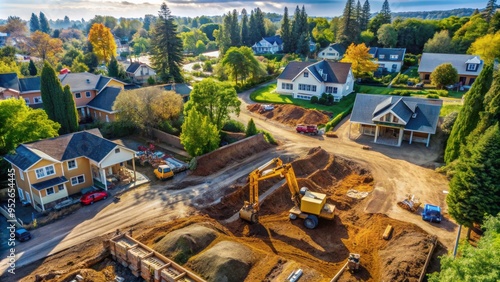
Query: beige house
x=140, y=72
x=49, y=171
x=468, y=66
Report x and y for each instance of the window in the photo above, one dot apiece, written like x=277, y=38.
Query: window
x=60, y=187
x=394, y=57
x=88, y=94
x=381, y=57
x=77, y=180
x=78, y=95
x=117, y=150
x=44, y=171
x=322, y=53
x=50, y=190
x=387, y=117
x=307, y=87
x=306, y=74
x=107, y=118
x=72, y=164
x=394, y=119
x=287, y=86
x=304, y=97
x=21, y=193
x=95, y=114
x=37, y=100
x=27, y=100
x=427, y=76
x=471, y=67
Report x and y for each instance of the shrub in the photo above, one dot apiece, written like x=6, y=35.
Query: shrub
x=196, y=66
x=151, y=80
x=251, y=128
x=234, y=126
x=402, y=92
x=268, y=137
x=432, y=96
x=448, y=122
x=336, y=120
x=442, y=93
x=207, y=66
x=322, y=101
x=117, y=129
x=314, y=99
x=202, y=57
x=168, y=128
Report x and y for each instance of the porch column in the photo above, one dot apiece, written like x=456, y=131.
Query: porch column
x=401, y=133
x=41, y=200
x=376, y=133
x=428, y=139
x=411, y=136
x=103, y=179
x=133, y=166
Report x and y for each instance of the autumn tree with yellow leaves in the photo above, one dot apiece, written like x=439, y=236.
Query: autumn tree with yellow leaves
x=487, y=47
x=360, y=59
x=103, y=42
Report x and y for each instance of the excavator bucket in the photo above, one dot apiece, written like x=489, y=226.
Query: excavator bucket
x=248, y=213
x=410, y=203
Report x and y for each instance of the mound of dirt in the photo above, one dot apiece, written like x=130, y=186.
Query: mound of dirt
x=183, y=243
x=214, y=161
x=292, y=115
x=226, y=261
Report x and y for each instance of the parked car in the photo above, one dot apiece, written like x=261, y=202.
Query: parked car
x=310, y=129
x=419, y=85
x=94, y=196
x=431, y=213
x=22, y=235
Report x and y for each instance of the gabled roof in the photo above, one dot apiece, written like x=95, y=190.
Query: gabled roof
x=88, y=144
x=105, y=99
x=29, y=84
x=133, y=67
x=9, y=81
x=337, y=47
x=424, y=118
x=80, y=81
x=335, y=72
x=180, y=88
x=103, y=81
x=273, y=39
x=430, y=61
x=387, y=52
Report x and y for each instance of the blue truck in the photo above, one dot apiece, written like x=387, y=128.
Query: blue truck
x=431, y=213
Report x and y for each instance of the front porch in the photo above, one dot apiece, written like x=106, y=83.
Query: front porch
x=388, y=135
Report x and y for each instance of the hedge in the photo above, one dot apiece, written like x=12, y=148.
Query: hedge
x=336, y=120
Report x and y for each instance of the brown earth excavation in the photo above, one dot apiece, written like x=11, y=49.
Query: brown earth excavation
x=291, y=114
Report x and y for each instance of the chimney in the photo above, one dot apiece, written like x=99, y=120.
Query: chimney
x=88, y=80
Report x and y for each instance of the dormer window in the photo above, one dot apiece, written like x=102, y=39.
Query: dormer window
x=381, y=57
x=394, y=57
x=306, y=74
x=471, y=67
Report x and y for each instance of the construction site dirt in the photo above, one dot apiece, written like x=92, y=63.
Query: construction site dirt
x=222, y=247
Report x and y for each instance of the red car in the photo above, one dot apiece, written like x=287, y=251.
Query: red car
x=94, y=196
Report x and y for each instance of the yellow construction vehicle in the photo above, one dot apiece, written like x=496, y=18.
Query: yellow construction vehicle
x=164, y=172
x=307, y=205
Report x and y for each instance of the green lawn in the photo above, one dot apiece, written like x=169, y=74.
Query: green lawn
x=266, y=94
x=374, y=89
x=448, y=108
x=412, y=72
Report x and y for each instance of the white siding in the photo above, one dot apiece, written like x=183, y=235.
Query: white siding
x=329, y=53
x=114, y=158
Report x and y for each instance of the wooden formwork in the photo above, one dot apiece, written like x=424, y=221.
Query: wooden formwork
x=151, y=268
x=135, y=256
x=119, y=246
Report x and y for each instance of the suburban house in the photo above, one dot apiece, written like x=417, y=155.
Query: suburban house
x=49, y=171
x=140, y=72
x=3, y=39
x=334, y=52
x=392, y=119
x=272, y=45
x=388, y=59
x=467, y=66
x=182, y=89
x=85, y=88
x=305, y=79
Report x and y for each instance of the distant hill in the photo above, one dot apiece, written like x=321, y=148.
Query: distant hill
x=434, y=15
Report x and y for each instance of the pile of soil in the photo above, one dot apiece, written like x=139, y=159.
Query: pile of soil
x=183, y=243
x=216, y=160
x=292, y=115
x=226, y=261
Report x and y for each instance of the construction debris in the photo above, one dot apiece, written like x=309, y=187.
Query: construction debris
x=411, y=203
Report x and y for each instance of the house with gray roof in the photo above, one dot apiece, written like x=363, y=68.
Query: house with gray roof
x=51, y=170
x=388, y=59
x=334, y=51
x=468, y=66
x=140, y=72
x=304, y=80
x=394, y=119
x=268, y=45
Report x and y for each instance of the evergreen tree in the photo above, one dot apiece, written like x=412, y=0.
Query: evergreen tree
x=166, y=53
x=468, y=117
x=245, y=32
x=254, y=36
x=286, y=33
x=251, y=128
x=32, y=68
x=224, y=35
x=34, y=23
x=365, y=16
x=490, y=9
x=260, y=24
x=70, y=110
x=359, y=10
x=113, y=68
x=235, y=30
x=386, y=12
x=348, y=29
x=474, y=189
x=296, y=28
x=44, y=24
x=51, y=91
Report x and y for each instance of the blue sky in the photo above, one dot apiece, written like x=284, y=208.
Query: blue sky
x=87, y=9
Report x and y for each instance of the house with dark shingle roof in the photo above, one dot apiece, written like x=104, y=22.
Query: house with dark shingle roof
x=468, y=66
x=394, y=119
x=140, y=72
x=268, y=45
x=388, y=59
x=304, y=80
x=334, y=51
x=49, y=171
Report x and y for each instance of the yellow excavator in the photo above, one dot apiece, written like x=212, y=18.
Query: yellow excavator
x=307, y=205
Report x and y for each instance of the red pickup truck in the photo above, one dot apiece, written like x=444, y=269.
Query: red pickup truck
x=310, y=129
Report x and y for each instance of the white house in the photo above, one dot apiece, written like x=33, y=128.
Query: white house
x=388, y=59
x=305, y=79
x=140, y=72
x=334, y=51
x=267, y=45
